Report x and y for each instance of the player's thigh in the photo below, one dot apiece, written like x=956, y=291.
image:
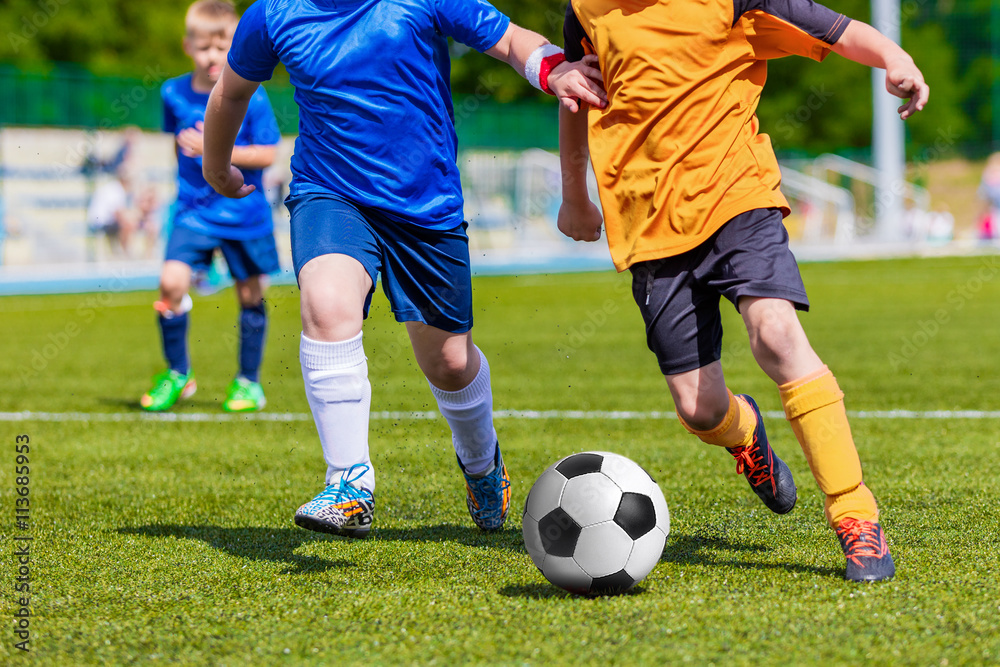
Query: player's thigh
x=337, y=257
x=749, y=257
x=248, y=260
x=680, y=313
x=777, y=339
x=771, y=322
x=427, y=275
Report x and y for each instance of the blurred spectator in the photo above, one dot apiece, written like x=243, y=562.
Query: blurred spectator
x=111, y=214
x=989, y=192
x=3, y=228
x=936, y=227
x=10, y=228
x=93, y=165
x=148, y=211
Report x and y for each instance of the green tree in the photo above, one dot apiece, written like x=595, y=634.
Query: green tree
x=806, y=106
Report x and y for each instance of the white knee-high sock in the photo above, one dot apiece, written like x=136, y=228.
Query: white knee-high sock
x=469, y=413
x=340, y=397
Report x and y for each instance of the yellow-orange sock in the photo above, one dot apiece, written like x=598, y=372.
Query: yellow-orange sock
x=859, y=503
x=736, y=428
x=814, y=406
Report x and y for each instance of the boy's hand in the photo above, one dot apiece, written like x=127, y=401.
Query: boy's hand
x=191, y=140
x=228, y=184
x=903, y=79
x=581, y=221
x=578, y=82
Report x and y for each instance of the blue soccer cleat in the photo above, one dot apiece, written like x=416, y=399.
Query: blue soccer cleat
x=340, y=509
x=768, y=475
x=488, y=497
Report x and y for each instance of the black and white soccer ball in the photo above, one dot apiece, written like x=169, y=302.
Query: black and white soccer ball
x=595, y=523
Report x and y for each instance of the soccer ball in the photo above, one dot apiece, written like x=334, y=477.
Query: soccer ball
x=595, y=523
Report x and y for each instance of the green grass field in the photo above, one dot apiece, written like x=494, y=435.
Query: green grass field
x=172, y=542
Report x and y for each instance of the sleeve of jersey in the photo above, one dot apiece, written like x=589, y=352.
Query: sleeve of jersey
x=779, y=28
x=263, y=125
x=252, y=53
x=475, y=23
x=169, y=119
x=574, y=37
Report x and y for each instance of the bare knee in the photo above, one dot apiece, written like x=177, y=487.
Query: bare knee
x=329, y=314
x=701, y=414
x=776, y=336
x=451, y=370
x=333, y=292
x=775, y=340
x=175, y=281
x=700, y=397
x=249, y=292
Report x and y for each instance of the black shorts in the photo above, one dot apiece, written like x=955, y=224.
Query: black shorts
x=679, y=296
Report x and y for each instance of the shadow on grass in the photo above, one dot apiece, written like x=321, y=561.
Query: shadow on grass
x=704, y=550
x=550, y=591
x=507, y=539
x=275, y=545
x=278, y=545
x=193, y=404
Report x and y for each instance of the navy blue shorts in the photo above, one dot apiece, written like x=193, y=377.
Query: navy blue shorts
x=253, y=257
x=425, y=273
x=679, y=296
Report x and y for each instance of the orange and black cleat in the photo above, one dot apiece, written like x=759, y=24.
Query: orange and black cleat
x=868, y=557
x=768, y=475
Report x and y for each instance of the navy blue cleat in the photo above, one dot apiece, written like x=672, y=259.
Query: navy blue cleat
x=868, y=557
x=768, y=475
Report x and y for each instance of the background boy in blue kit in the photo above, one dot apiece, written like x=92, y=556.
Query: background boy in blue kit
x=205, y=221
x=376, y=192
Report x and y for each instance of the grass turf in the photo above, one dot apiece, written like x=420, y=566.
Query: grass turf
x=173, y=542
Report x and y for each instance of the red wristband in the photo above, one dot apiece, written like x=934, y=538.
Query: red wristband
x=548, y=64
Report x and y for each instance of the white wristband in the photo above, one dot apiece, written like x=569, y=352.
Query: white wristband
x=533, y=68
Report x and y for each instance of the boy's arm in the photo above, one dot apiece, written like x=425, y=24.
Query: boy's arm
x=227, y=106
x=255, y=156
x=191, y=142
x=579, y=218
x=777, y=28
x=570, y=82
x=866, y=45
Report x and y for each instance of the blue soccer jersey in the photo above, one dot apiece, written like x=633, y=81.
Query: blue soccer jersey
x=372, y=81
x=199, y=207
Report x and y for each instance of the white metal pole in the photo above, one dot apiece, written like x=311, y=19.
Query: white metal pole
x=888, y=138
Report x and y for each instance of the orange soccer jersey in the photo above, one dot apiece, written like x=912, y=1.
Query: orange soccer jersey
x=677, y=150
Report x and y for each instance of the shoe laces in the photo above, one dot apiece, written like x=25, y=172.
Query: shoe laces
x=243, y=389
x=862, y=539
x=343, y=491
x=165, y=381
x=486, y=490
x=750, y=461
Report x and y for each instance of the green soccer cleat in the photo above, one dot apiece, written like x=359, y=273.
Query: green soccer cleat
x=244, y=395
x=168, y=387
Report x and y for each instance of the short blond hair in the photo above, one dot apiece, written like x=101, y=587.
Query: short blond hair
x=214, y=17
